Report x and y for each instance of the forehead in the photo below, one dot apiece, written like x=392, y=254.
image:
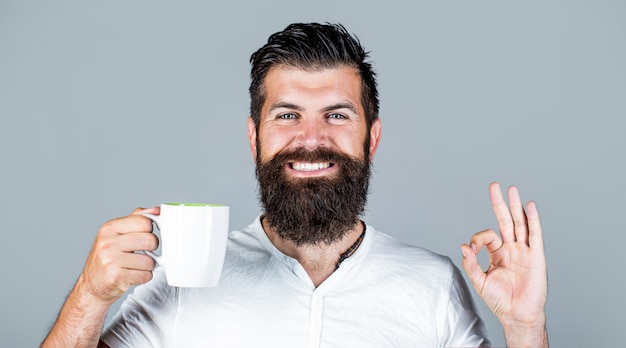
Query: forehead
x=286, y=83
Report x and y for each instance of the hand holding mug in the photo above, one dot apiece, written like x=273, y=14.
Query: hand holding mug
x=113, y=266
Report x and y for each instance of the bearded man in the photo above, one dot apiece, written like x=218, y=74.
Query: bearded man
x=308, y=272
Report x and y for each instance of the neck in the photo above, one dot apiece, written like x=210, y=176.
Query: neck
x=318, y=260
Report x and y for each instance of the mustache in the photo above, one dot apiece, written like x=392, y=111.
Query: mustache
x=303, y=155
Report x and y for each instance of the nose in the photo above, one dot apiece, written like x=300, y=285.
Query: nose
x=312, y=134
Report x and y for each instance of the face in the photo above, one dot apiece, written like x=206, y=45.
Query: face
x=312, y=110
x=312, y=153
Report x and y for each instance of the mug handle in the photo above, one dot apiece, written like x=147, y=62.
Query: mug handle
x=157, y=258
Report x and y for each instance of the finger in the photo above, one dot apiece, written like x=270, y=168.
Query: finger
x=139, y=262
x=535, y=234
x=519, y=216
x=128, y=224
x=488, y=239
x=503, y=215
x=138, y=241
x=136, y=277
x=470, y=264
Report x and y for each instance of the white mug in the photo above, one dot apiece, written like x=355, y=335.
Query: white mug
x=193, y=242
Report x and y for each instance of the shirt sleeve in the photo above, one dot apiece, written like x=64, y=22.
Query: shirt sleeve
x=461, y=326
x=145, y=317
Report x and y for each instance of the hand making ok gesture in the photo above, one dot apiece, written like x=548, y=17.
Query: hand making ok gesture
x=515, y=285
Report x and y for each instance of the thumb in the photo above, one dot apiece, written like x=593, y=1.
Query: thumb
x=472, y=268
x=153, y=210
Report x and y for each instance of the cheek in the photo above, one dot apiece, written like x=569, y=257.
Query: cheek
x=353, y=145
x=269, y=145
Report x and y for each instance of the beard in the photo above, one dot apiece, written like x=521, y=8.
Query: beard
x=313, y=210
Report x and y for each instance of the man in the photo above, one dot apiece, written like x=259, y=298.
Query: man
x=309, y=272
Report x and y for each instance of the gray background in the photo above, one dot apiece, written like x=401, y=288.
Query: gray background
x=110, y=105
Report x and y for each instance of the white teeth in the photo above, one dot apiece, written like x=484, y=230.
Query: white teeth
x=307, y=167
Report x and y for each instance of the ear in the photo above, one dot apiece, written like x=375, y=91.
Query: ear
x=252, y=137
x=375, y=133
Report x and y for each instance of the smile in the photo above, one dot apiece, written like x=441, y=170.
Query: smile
x=309, y=167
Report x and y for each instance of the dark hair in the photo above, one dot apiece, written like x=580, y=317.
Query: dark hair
x=313, y=46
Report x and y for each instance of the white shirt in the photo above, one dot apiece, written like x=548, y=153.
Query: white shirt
x=387, y=294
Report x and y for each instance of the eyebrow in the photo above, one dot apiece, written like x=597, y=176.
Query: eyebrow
x=344, y=105
x=287, y=105
x=284, y=105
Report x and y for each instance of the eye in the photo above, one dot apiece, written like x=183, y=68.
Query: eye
x=288, y=116
x=337, y=116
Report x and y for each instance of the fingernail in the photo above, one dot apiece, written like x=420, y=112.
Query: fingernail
x=463, y=251
x=474, y=247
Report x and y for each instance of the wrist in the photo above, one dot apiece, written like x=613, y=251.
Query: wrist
x=526, y=334
x=86, y=295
